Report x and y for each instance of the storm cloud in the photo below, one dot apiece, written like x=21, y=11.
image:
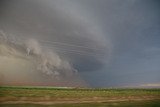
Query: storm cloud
x=100, y=43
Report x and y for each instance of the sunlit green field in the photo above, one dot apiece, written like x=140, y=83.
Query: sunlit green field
x=75, y=97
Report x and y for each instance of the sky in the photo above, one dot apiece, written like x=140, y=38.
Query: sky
x=85, y=43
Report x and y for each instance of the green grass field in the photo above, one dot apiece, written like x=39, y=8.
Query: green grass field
x=75, y=97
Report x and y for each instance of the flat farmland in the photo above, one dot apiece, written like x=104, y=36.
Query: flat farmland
x=77, y=97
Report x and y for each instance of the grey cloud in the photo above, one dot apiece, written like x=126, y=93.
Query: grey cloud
x=110, y=42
